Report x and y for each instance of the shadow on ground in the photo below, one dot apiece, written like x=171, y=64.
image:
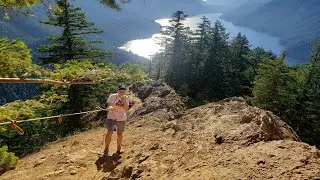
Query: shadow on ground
x=107, y=164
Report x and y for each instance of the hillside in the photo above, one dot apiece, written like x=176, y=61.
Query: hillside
x=223, y=140
x=295, y=22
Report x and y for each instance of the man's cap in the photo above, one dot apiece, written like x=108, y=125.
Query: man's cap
x=122, y=87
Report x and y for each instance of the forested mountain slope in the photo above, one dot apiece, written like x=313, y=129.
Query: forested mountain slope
x=296, y=22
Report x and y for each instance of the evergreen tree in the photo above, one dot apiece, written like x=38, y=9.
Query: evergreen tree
x=175, y=32
x=202, y=40
x=114, y=4
x=15, y=58
x=237, y=82
x=72, y=43
x=312, y=98
x=198, y=55
x=272, y=87
x=216, y=63
x=255, y=57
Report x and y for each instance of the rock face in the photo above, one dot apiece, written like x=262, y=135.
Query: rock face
x=222, y=140
x=235, y=121
x=158, y=99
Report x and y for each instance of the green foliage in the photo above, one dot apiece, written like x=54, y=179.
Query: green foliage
x=55, y=100
x=7, y=159
x=74, y=70
x=15, y=59
x=176, y=41
x=132, y=73
x=203, y=64
x=292, y=93
x=21, y=110
x=72, y=43
x=114, y=4
x=18, y=4
x=7, y=5
x=272, y=86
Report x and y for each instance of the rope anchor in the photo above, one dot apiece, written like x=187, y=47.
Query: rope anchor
x=13, y=125
x=60, y=119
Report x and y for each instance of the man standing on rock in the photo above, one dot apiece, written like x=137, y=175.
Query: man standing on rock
x=118, y=105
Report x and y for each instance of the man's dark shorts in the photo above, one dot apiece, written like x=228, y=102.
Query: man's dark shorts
x=111, y=124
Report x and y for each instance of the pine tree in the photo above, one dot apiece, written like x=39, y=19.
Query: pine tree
x=312, y=98
x=202, y=40
x=198, y=50
x=215, y=64
x=175, y=32
x=238, y=84
x=272, y=86
x=255, y=57
x=72, y=43
x=114, y=4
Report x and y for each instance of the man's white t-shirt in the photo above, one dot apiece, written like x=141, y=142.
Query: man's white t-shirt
x=115, y=100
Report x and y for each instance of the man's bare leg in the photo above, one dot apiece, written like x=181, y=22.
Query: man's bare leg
x=108, y=139
x=119, y=141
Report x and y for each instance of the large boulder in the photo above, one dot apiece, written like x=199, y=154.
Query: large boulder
x=234, y=121
x=158, y=99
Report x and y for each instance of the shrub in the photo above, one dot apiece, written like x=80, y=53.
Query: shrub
x=7, y=159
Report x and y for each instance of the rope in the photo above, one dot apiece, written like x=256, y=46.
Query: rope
x=52, y=117
x=46, y=81
x=19, y=130
x=39, y=81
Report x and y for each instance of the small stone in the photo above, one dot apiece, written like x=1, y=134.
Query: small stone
x=143, y=157
x=39, y=162
x=304, y=161
x=218, y=139
x=73, y=172
x=54, y=173
x=155, y=147
x=315, y=152
x=261, y=162
x=75, y=143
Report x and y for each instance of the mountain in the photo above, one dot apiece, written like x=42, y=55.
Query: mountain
x=222, y=140
x=244, y=8
x=296, y=22
x=136, y=20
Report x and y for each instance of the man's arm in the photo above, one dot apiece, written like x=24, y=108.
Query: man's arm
x=109, y=102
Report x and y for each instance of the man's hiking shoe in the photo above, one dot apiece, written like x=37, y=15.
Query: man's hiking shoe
x=105, y=153
x=119, y=152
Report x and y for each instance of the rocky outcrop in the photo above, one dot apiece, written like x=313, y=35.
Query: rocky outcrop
x=158, y=99
x=234, y=121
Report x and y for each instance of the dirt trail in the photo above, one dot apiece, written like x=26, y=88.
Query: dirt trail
x=223, y=140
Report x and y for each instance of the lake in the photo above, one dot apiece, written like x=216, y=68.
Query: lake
x=147, y=47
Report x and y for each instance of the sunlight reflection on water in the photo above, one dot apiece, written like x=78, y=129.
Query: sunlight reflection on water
x=147, y=47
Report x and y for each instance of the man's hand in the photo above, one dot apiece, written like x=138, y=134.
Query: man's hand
x=111, y=108
x=115, y=108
